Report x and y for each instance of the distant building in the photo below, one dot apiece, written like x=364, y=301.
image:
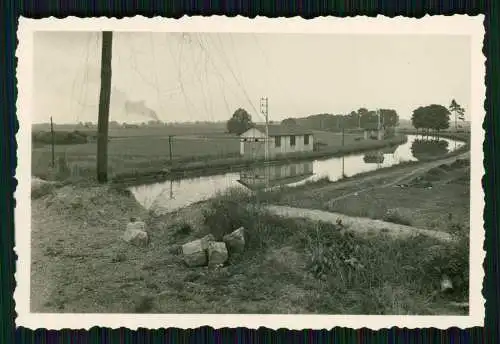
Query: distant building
x=372, y=131
x=282, y=140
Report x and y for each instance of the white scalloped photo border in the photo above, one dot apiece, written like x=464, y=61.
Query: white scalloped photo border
x=471, y=26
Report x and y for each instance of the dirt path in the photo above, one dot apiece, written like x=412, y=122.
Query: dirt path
x=357, y=225
x=402, y=175
x=363, y=225
x=42, y=267
x=379, y=179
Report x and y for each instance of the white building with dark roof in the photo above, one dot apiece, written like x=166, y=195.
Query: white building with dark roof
x=282, y=140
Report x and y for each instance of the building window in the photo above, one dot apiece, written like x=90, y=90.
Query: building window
x=306, y=140
x=277, y=141
x=292, y=140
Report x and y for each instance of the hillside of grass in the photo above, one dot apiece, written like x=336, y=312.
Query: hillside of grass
x=80, y=264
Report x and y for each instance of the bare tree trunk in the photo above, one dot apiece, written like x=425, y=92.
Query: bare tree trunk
x=104, y=100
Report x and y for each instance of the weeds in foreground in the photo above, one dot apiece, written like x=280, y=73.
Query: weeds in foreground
x=234, y=209
x=451, y=260
x=396, y=216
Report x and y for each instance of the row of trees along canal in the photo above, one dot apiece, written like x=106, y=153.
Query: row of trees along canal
x=428, y=120
x=241, y=120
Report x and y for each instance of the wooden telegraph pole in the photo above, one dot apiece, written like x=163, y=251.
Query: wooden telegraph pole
x=52, y=142
x=104, y=100
x=170, y=147
x=264, y=108
x=343, y=174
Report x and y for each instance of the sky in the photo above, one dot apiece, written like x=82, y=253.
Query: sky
x=207, y=76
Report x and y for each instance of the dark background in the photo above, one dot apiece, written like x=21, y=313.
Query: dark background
x=10, y=10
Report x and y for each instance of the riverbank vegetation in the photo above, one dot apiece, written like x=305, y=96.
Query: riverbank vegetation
x=427, y=199
x=141, y=158
x=289, y=266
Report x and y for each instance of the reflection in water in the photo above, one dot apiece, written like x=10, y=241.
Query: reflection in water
x=374, y=158
x=265, y=177
x=422, y=149
x=171, y=195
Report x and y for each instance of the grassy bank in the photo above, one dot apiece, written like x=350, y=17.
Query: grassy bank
x=377, y=176
x=142, y=158
x=199, y=168
x=289, y=266
x=429, y=199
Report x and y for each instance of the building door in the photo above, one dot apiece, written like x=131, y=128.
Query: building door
x=254, y=148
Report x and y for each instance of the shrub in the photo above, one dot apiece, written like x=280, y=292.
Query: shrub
x=60, y=137
x=226, y=213
x=452, y=260
x=329, y=251
x=235, y=209
x=182, y=229
x=397, y=216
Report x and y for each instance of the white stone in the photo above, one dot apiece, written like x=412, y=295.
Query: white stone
x=217, y=253
x=446, y=283
x=136, y=237
x=235, y=240
x=207, y=239
x=194, y=253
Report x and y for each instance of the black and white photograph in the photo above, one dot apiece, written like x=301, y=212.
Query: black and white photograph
x=230, y=169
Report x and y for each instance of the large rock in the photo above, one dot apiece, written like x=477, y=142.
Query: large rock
x=195, y=252
x=446, y=284
x=207, y=239
x=235, y=241
x=136, y=237
x=136, y=234
x=217, y=253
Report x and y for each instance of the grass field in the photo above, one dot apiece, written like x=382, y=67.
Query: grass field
x=148, y=149
x=178, y=130
x=126, y=154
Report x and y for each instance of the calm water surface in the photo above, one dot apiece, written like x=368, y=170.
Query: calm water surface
x=174, y=194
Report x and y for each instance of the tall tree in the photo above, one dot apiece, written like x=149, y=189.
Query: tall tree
x=240, y=122
x=104, y=99
x=436, y=117
x=440, y=117
x=461, y=114
x=368, y=119
x=455, y=109
x=389, y=118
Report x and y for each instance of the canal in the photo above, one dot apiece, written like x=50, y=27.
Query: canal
x=170, y=195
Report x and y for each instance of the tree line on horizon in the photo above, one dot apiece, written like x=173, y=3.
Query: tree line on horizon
x=426, y=118
x=241, y=121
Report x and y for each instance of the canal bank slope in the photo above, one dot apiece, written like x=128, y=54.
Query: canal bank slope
x=81, y=265
x=216, y=166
